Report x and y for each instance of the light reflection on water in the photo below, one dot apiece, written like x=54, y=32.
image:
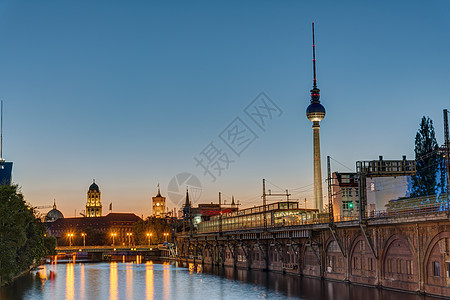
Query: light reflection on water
x=149, y=280
x=113, y=281
x=167, y=281
x=70, y=282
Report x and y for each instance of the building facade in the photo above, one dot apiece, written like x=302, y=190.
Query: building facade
x=112, y=229
x=345, y=195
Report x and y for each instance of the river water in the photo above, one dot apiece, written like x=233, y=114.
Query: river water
x=164, y=280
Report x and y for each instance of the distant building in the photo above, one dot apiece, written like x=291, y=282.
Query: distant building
x=380, y=190
x=113, y=224
x=93, y=204
x=54, y=214
x=5, y=172
x=159, y=205
x=345, y=195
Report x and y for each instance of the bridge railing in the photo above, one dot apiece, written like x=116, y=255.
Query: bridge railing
x=107, y=248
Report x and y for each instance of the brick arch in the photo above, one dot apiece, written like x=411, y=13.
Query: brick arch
x=436, y=251
x=399, y=268
x=334, y=260
x=362, y=264
x=309, y=263
x=353, y=243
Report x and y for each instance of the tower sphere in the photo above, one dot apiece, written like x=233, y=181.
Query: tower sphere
x=315, y=112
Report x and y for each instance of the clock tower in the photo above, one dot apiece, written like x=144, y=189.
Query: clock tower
x=159, y=205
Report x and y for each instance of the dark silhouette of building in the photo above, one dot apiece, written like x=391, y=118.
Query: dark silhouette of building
x=112, y=227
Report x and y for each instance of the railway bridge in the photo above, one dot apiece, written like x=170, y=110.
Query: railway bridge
x=406, y=250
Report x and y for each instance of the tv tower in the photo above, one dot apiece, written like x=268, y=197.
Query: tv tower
x=315, y=113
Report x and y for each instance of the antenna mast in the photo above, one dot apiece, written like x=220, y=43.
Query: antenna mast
x=314, y=58
x=447, y=154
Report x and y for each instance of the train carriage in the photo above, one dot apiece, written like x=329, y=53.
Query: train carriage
x=286, y=213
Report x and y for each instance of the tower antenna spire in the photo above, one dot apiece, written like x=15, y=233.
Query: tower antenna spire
x=314, y=58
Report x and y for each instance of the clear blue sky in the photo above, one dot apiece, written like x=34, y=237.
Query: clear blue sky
x=129, y=92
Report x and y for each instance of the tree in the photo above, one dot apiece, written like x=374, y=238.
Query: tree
x=428, y=162
x=156, y=226
x=22, y=234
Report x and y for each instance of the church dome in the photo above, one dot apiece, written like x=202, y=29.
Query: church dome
x=53, y=215
x=94, y=187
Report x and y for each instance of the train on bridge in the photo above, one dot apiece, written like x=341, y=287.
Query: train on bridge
x=284, y=213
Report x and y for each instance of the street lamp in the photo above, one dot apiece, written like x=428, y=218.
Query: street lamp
x=149, y=235
x=70, y=236
x=129, y=234
x=166, y=235
x=113, y=236
x=84, y=239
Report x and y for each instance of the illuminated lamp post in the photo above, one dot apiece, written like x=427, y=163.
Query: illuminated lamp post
x=113, y=236
x=129, y=235
x=84, y=239
x=70, y=236
x=149, y=235
x=166, y=235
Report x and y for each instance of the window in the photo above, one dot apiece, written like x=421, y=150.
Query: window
x=389, y=265
x=399, y=266
x=347, y=205
x=345, y=178
x=370, y=264
x=409, y=269
x=436, y=271
x=356, y=263
x=346, y=192
x=340, y=262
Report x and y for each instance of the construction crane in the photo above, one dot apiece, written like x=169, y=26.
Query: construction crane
x=43, y=206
